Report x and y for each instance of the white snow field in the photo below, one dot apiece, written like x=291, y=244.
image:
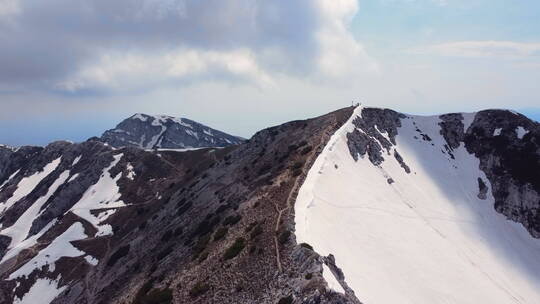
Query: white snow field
x=427, y=237
x=19, y=230
x=60, y=247
x=43, y=291
x=27, y=184
x=104, y=194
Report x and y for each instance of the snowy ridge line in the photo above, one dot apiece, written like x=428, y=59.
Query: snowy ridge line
x=306, y=191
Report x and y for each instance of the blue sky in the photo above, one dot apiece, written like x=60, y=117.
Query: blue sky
x=74, y=68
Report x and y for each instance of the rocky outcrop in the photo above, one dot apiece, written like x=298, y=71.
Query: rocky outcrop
x=368, y=136
x=508, y=146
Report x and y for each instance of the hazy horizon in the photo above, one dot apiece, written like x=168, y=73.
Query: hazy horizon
x=41, y=133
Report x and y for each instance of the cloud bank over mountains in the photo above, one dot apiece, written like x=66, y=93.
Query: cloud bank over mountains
x=100, y=46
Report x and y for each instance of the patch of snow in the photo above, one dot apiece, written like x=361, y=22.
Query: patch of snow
x=384, y=134
x=91, y=260
x=27, y=184
x=191, y=133
x=208, y=132
x=102, y=216
x=73, y=177
x=9, y=178
x=105, y=193
x=497, y=132
x=130, y=173
x=181, y=122
x=333, y=283
x=44, y=291
x=140, y=116
x=156, y=122
x=520, y=132
x=180, y=150
x=122, y=131
x=76, y=160
x=59, y=247
x=19, y=230
x=29, y=242
x=426, y=238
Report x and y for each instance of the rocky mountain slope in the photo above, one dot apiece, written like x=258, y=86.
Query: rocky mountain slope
x=166, y=132
x=87, y=223
x=360, y=205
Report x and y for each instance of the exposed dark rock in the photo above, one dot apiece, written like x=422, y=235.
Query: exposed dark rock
x=511, y=164
x=359, y=144
x=452, y=129
x=401, y=162
x=367, y=137
x=482, y=189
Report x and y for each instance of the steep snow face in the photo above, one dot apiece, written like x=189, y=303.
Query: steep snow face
x=421, y=237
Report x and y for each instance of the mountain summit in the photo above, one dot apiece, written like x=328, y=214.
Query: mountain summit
x=166, y=132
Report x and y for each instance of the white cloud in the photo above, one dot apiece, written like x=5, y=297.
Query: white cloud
x=324, y=50
x=340, y=55
x=138, y=71
x=437, y=2
x=478, y=49
x=9, y=7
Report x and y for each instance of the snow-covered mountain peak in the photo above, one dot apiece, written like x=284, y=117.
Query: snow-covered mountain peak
x=166, y=132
